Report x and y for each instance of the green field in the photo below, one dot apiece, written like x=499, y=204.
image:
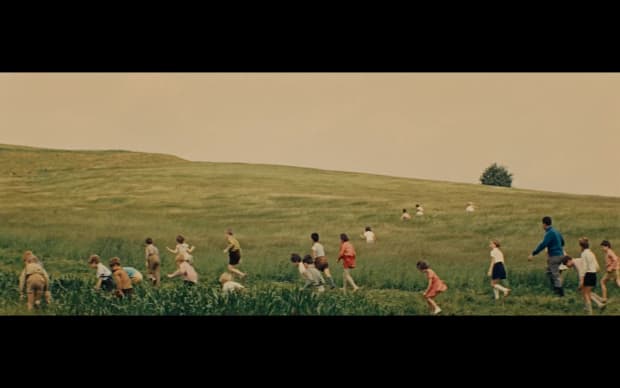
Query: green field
x=66, y=205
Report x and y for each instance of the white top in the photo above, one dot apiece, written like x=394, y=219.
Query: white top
x=469, y=208
x=497, y=255
x=301, y=268
x=319, y=250
x=589, y=261
x=370, y=236
x=231, y=286
x=579, y=266
x=103, y=271
x=420, y=211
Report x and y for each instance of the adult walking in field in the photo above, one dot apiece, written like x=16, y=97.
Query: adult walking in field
x=348, y=256
x=320, y=259
x=554, y=242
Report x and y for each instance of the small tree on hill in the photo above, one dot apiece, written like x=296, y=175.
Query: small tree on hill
x=495, y=175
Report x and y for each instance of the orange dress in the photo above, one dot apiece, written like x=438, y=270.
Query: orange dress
x=437, y=285
x=347, y=254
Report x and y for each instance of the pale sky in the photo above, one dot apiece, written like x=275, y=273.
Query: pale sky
x=553, y=131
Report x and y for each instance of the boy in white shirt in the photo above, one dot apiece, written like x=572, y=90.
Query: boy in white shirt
x=369, y=235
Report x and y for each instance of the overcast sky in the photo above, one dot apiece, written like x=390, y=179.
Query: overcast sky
x=553, y=131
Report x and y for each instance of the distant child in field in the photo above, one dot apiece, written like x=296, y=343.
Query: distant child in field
x=405, y=216
x=369, y=235
x=184, y=269
x=320, y=259
x=234, y=253
x=348, y=256
x=183, y=249
x=104, y=275
x=612, y=268
x=579, y=264
x=308, y=272
x=470, y=207
x=35, y=281
x=135, y=275
x=497, y=271
x=435, y=286
x=419, y=210
x=228, y=285
x=153, y=262
x=124, y=287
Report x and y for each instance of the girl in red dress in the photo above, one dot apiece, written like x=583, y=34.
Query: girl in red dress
x=435, y=286
x=347, y=255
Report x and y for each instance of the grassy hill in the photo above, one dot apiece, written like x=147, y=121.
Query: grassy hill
x=66, y=205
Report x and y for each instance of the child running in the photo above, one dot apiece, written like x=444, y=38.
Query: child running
x=405, y=216
x=320, y=259
x=184, y=249
x=185, y=269
x=348, y=256
x=153, y=262
x=497, y=271
x=611, y=268
x=234, y=253
x=308, y=272
x=435, y=286
x=369, y=235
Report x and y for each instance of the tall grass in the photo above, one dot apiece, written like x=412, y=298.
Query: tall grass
x=67, y=205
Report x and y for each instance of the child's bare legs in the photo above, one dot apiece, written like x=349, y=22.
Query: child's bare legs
x=30, y=300
x=48, y=297
x=231, y=268
x=433, y=306
x=604, y=286
x=587, y=299
x=348, y=279
x=498, y=287
x=329, y=277
x=598, y=300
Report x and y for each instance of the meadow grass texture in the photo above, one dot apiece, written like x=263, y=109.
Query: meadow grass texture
x=66, y=205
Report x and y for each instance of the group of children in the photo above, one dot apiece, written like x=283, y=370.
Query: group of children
x=419, y=211
x=587, y=267
x=313, y=268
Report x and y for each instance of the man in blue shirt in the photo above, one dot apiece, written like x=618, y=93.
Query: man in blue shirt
x=554, y=242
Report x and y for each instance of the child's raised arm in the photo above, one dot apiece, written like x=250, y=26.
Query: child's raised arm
x=176, y=250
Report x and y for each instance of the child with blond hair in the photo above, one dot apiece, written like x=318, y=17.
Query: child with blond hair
x=35, y=281
x=497, y=270
x=184, y=269
x=435, y=286
x=228, y=285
